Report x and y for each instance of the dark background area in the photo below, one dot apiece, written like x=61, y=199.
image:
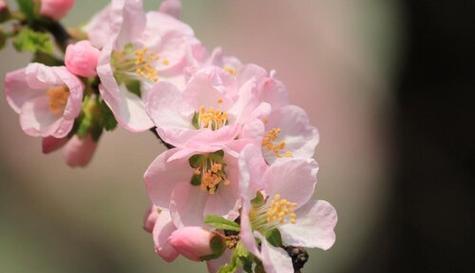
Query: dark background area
x=429, y=226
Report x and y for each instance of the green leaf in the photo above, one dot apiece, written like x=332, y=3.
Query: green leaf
x=221, y=223
x=240, y=256
x=28, y=40
x=218, y=246
x=196, y=180
x=108, y=120
x=217, y=156
x=195, y=161
x=274, y=237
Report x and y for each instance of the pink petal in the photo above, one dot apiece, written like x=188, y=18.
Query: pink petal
x=98, y=29
x=215, y=264
x=161, y=233
x=127, y=21
x=171, y=7
x=187, y=205
x=274, y=259
x=163, y=175
x=252, y=167
x=128, y=108
x=293, y=179
x=315, y=225
x=300, y=137
x=76, y=88
x=17, y=90
x=36, y=119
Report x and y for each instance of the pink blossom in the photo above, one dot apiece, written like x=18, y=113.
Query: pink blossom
x=56, y=9
x=78, y=151
x=212, y=109
x=288, y=187
x=159, y=47
x=48, y=99
x=192, y=242
x=194, y=184
x=81, y=59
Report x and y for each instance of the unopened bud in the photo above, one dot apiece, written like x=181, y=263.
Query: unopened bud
x=56, y=9
x=196, y=243
x=51, y=144
x=81, y=59
x=79, y=151
x=150, y=218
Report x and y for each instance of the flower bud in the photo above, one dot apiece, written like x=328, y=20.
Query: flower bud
x=4, y=12
x=150, y=218
x=51, y=144
x=79, y=151
x=196, y=244
x=56, y=9
x=81, y=59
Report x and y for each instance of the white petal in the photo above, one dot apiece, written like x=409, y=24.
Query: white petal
x=314, y=228
x=274, y=259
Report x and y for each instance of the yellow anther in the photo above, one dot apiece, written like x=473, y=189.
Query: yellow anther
x=212, y=175
x=268, y=142
x=281, y=211
x=230, y=70
x=165, y=62
x=220, y=101
x=58, y=98
x=211, y=118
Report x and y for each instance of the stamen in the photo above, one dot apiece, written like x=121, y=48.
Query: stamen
x=209, y=171
x=230, y=70
x=136, y=61
x=268, y=142
x=58, y=98
x=281, y=211
x=211, y=118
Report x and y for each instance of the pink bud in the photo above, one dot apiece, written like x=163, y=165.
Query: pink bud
x=81, y=59
x=171, y=7
x=192, y=242
x=51, y=144
x=79, y=151
x=3, y=5
x=56, y=9
x=150, y=218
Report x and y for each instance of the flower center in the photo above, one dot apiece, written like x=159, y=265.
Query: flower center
x=209, y=171
x=230, y=70
x=57, y=99
x=277, y=148
x=281, y=211
x=210, y=118
x=267, y=215
x=137, y=61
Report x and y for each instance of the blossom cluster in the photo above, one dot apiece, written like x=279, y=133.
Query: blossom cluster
x=235, y=187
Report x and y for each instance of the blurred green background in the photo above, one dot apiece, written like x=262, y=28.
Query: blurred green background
x=337, y=59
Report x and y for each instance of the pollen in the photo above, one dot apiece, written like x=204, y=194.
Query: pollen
x=230, y=70
x=211, y=118
x=281, y=211
x=277, y=148
x=209, y=172
x=144, y=64
x=213, y=177
x=57, y=99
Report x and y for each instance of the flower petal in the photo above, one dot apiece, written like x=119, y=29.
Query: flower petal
x=17, y=90
x=274, y=259
x=76, y=88
x=300, y=137
x=127, y=21
x=187, y=205
x=128, y=108
x=215, y=264
x=162, y=230
x=162, y=176
x=293, y=179
x=314, y=228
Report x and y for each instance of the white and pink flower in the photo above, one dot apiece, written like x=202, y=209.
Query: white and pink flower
x=48, y=99
x=81, y=59
x=286, y=206
x=142, y=49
